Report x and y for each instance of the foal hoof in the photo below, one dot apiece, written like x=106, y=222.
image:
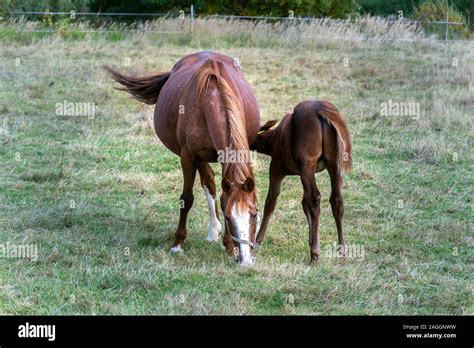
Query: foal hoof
x=314, y=259
x=176, y=249
x=342, y=251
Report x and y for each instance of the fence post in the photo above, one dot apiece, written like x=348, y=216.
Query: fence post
x=447, y=21
x=468, y=20
x=192, y=23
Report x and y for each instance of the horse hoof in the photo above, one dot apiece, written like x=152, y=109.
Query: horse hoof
x=176, y=249
x=213, y=231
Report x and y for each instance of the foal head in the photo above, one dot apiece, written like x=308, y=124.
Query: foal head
x=238, y=203
x=262, y=142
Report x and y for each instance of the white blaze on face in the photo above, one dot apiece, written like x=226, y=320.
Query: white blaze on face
x=258, y=223
x=242, y=227
x=214, y=227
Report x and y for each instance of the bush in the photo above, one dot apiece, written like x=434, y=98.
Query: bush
x=388, y=7
x=42, y=5
x=435, y=10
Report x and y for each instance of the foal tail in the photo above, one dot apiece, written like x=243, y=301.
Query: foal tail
x=331, y=115
x=146, y=88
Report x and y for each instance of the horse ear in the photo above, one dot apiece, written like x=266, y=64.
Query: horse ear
x=268, y=125
x=226, y=185
x=248, y=185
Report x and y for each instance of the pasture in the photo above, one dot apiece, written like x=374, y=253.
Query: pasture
x=99, y=194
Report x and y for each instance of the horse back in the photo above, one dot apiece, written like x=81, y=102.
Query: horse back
x=307, y=134
x=180, y=116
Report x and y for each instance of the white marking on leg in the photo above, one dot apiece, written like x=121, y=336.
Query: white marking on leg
x=215, y=226
x=242, y=225
x=176, y=249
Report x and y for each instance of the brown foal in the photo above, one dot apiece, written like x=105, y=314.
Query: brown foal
x=312, y=138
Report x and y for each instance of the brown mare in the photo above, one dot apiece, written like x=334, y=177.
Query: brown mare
x=312, y=138
x=205, y=106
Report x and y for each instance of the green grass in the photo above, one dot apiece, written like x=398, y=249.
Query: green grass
x=104, y=219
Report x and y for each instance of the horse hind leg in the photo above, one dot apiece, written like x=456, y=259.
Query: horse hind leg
x=311, y=206
x=209, y=186
x=337, y=205
x=331, y=161
x=186, y=200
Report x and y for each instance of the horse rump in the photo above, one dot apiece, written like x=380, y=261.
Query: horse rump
x=331, y=115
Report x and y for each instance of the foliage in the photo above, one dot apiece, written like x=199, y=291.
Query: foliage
x=435, y=10
x=43, y=5
x=388, y=7
x=319, y=8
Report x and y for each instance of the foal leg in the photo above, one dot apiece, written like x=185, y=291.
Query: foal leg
x=337, y=206
x=311, y=206
x=276, y=178
x=186, y=200
x=209, y=186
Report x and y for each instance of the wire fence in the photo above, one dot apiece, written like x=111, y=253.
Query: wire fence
x=191, y=16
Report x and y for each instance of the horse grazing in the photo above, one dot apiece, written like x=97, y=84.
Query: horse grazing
x=312, y=138
x=205, y=107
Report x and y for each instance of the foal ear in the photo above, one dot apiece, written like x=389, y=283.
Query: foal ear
x=267, y=125
x=226, y=186
x=248, y=185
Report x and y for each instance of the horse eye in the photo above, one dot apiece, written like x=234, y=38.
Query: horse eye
x=253, y=218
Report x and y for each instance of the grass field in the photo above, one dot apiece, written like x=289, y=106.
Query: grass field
x=99, y=196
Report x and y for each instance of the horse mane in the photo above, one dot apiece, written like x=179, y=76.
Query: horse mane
x=213, y=69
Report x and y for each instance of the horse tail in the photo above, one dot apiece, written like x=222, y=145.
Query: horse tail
x=145, y=89
x=331, y=115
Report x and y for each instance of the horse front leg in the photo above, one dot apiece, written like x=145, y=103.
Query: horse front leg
x=186, y=200
x=209, y=186
x=311, y=206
